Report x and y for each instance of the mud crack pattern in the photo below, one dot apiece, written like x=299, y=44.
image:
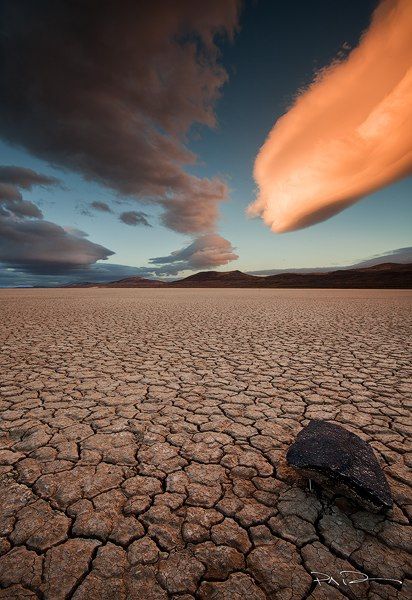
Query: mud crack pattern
x=143, y=440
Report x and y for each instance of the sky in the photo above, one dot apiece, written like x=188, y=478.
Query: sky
x=163, y=142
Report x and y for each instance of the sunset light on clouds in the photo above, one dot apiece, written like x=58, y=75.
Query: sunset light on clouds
x=193, y=405
x=157, y=129
x=347, y=135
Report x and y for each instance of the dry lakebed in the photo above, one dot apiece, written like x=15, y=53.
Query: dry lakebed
x=144, y=434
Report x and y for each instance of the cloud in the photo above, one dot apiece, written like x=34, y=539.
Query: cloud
x=205, y=252
x=134, y=217
x=76, y=232
x=400, y=255
x=99, y=272
x=19, y=208
x=32, y=245
x=197, y=212
x=22, y=177
x=101, y=206
x=37, y=252
x=42, y=247
x=347, y=135
x=118, y=112
x=12, y=179
x=102, y=272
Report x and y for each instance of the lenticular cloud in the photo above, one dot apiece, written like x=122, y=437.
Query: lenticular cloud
x=347, y=135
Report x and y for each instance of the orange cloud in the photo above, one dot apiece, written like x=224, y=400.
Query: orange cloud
x=347, y=135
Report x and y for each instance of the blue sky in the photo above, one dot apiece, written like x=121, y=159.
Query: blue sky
x=275, y=54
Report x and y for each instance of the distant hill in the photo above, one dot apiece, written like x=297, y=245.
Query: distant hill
x=385, y=275
x=217, y=279
x=127, y=282
x=134, y=282
x=81, y=284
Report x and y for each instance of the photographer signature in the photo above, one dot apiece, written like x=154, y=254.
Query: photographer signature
x=347, y=578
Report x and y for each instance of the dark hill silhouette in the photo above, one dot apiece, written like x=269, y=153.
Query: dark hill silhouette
x=218, y=279
x=135, y=282
x=127, y=282
x=385, y=275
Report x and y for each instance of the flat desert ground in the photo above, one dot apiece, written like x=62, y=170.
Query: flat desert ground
x=144, y=435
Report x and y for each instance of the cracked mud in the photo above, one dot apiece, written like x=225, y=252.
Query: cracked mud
x=144, y=432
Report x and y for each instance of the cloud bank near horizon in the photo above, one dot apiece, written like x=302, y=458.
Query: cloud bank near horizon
x=101, y=272
x=205, y=252
x=348, y=135
x=30, y=244
x=401, y=256
x=33, y=247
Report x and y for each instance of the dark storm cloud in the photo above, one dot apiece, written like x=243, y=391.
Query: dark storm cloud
x=101, y=206
x=206, y=252
x=134, y=217
x=111, y=90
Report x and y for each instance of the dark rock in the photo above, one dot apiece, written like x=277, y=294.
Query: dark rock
x=338, y=459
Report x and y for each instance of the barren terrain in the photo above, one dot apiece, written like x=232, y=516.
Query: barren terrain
x=143, y=436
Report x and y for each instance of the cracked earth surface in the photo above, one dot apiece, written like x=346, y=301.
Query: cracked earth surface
x=143, y=440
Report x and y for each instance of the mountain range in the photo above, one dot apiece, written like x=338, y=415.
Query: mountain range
x=384, y=275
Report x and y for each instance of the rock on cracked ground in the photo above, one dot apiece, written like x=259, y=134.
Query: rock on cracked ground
x=144, y=435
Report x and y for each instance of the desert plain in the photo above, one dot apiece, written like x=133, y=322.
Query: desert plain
x=144, y=432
